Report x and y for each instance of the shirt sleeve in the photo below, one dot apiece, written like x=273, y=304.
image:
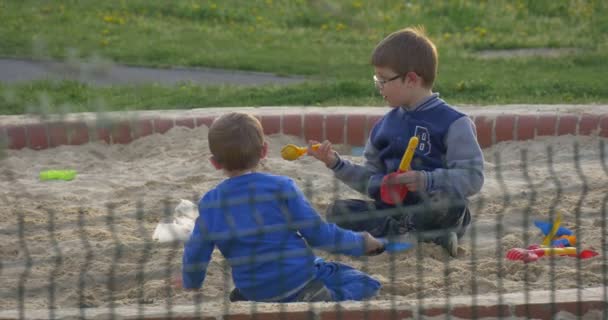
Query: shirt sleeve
x=364, y=178
x=464, y=161
x=197, y=254
x=317, y=232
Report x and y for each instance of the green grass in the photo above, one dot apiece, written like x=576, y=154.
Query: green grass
x=328, y=41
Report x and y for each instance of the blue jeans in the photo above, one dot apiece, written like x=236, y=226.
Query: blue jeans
x=334, y=282
x=314, y=291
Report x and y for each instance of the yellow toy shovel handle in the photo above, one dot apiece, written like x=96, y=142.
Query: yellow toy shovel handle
x=558, y=251
x=409, y=154
x=551, y=234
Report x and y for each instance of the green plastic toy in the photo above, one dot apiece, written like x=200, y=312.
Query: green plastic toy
x=66, y=175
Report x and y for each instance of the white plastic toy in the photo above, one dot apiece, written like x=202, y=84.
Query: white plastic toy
x=181, y=227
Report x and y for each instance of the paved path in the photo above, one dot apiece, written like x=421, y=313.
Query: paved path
x=103, y=74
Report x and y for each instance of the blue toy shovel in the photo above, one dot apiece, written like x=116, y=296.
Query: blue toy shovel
x=395, y=246
x=407, y=241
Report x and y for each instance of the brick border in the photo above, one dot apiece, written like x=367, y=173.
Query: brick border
x=343, y=128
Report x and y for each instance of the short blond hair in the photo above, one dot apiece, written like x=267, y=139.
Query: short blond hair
x=236, y=141
x=408, y=50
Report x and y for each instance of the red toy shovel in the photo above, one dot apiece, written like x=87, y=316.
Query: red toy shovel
x=395, y=193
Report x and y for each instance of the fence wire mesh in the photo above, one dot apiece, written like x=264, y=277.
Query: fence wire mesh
x=89, y=244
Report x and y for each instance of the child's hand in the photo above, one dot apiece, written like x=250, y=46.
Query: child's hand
x=413, y=180
x=372, y=245
x=325, y=153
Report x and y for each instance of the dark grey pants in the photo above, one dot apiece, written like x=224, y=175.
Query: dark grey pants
x=437, y=212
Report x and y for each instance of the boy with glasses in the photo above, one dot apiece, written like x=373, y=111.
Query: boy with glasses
x=447, y=166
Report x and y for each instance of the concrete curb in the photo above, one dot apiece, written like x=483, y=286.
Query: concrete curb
x=348, y=127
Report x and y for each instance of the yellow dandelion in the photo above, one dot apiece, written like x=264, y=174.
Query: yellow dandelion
x=340, y=27
x=460, y=86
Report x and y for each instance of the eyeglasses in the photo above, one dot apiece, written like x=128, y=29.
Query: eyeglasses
x=381, y=82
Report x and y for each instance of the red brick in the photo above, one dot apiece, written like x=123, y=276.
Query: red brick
x=142, y=128
x=334, y=128
x=484, y=130
x=543, y=311
x=78, y=133
x=471, y=312
x=185, y=122
x=292, y=124
x=588, y=124
x=17, y=138
x=534, y=311
x=370, y=123
x=526, y=126
x=355, y=130
x=271, y=123
x=365, y=314
x=121, y=132
x=299, y=315
x=504, y=127
x=162, y=125
x=58, y=134
x=313, y=127
x=604, y=126
x=546, y=125
x=204, y=120
x=104, y=133
x=581, y=307
x=567, y=124
x=180, y=317
x=435, y=311
x=37, y=136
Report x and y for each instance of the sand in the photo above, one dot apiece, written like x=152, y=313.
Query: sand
x=78, y=236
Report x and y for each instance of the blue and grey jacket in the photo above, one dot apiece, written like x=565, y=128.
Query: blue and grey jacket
x=448, y=153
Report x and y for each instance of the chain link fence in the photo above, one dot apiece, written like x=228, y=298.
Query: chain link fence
x=90, y=246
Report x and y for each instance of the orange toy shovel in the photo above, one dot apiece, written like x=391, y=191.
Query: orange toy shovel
x=394, y=193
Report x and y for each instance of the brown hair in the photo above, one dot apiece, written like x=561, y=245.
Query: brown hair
x=236, y=141
x=408, y=50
